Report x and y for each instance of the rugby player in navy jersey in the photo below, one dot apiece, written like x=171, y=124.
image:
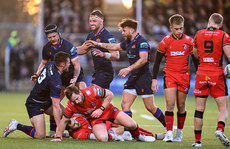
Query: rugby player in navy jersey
x=103, y=69
x=44, y=98
x=73, y=76
x=140, y=78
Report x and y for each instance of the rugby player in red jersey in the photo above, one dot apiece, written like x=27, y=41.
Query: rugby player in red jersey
x=209, y=46
x=79, y=128
x=176, y=48
x=94, y=103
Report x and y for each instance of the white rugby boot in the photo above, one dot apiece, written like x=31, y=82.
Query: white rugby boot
x=127, y=136
x=178, y=137
x=196, y=144
x=10, y=128
x=145, y=138
x=224, y=140
x=168, y=136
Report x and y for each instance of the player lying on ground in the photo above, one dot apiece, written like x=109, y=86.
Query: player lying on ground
x=79, y=128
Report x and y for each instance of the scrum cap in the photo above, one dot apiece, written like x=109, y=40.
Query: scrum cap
x=51, y=28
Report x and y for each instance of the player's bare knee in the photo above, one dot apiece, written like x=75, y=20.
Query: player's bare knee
x=170, y=107
x=131, y=125
x=39, y=136
x=102, y=138
x=181, y=108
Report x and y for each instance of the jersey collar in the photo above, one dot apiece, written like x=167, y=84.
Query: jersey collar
x=95, y=35
x=135, y=38
x=178, y=38
x=58, y=45
x=212, y=28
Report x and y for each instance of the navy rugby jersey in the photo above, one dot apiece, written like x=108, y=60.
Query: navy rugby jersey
x=49, y=51
x=101, y=63
x=48, y=84
x=133, y=48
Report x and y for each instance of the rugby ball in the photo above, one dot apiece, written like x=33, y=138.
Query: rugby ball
x=227, y=71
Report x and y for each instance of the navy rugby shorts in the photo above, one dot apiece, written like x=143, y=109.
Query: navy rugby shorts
x=142, y=83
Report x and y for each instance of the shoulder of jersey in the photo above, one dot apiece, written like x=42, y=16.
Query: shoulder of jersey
x=188, y=38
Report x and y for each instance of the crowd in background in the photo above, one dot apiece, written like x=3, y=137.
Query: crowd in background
x=196, y=13
x=71, y=16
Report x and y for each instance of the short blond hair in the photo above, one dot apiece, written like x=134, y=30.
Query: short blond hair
x=216, y=18
x=176, y=19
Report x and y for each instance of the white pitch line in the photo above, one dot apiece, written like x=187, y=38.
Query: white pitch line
x=147, y=117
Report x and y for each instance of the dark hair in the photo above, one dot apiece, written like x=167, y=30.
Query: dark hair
x=70, y=90
x=67, y=127
x=97, y=13
x=217, y=18
x=176, y=19
x=128, y=23
x=51, y=28
x=60, y=57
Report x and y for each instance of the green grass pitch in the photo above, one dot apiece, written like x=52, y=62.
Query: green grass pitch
x=13, y=106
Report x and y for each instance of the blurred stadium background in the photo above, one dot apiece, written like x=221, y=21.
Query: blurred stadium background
x=22, y=37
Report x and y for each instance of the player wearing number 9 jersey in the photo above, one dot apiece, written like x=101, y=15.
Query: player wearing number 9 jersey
x=209, y=46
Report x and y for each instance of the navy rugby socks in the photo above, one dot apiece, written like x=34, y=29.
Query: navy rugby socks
x=160, y=116
x=29, y=130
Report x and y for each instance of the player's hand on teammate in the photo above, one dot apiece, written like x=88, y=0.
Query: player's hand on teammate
x=34, y=77
x=73, y=80
x=124, y=72
x=97, y=113
x=155, y=86
x=97, y=52
x=91, y=43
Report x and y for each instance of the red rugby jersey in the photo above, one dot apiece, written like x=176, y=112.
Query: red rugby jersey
x=176, y=52
x=209, y=44
x=93, y=100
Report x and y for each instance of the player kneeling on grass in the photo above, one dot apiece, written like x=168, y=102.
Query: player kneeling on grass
x=95, y=104
x=44, y=98
x=79, y=128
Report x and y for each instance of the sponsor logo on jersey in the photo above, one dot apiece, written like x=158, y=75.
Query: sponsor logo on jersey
x=73, y=51
x=144, y=45
x=208, y=59
x=185, y=46
x=176, y=53
x=98, y=40
x=112, y=40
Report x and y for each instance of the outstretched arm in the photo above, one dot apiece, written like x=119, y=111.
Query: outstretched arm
x=111, y=55
x=109, y=46
x=61, y=129
x=83, y=49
